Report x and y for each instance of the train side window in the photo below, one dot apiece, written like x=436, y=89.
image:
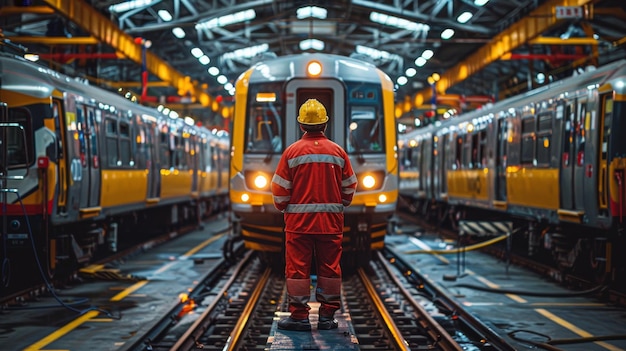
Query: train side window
x=544, y=138
x=458, y=153
x=475, y=161
x=125, y=148
x=164, y=148
x=528, y=140
x=112, y=153
x=482, y=148
x=93, y=142
x=18, y=155
x=579, y=129
x=467, y=152
x=606, y=130
x=80, y=126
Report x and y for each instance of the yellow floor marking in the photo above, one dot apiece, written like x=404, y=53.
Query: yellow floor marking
x=568, y=304
x=129, y=290
x=91, y=269
x=513, y=297
x=62, y=331
x=425, y=247
x=574, y=329
x=202, y=245
x=89, y=315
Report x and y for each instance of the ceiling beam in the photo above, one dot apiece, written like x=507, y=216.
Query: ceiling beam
x=520, y=33
x=106, y=32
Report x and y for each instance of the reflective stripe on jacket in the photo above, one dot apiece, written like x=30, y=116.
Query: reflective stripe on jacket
x=313, y=182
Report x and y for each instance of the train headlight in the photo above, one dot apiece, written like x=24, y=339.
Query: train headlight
x=260, y=181
x=382, y=198
x=368, y=182
x=257, y=180
x=314, y=69
x=245, y=197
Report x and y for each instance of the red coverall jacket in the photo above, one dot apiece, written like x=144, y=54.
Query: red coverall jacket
x=313, y=182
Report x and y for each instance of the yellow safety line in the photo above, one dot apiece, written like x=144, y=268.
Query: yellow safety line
x=129, y=290
x=202, y=245
x=89, y=315
x=513, y=297
x=426, y=248
x=62, y=331
x=560, y=321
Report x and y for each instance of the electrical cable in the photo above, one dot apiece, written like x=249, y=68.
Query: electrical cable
x=596, y=289
x=549, y=344
x=45, y=278
x=464, y=249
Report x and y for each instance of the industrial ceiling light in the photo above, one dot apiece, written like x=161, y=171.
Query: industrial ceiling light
x=223, y=21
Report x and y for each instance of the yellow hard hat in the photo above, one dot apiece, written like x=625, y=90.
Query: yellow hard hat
x=312, y=112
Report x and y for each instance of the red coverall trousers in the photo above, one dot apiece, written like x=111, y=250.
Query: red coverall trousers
x=299, y=251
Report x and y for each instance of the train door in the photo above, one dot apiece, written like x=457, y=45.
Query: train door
x=192, y=144
x=89, y=155
x=437, y=166
x=501, y=152
x=427, y=167
x=152, y=155
x=567, y=157
x=445, y=155
x=329, y=92
x=573, y=156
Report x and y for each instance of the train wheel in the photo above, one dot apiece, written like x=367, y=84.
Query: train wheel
x=598, y=261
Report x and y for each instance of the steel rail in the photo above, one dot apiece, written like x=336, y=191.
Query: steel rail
x=398, y=339
x=434, y=329
x=235, y=336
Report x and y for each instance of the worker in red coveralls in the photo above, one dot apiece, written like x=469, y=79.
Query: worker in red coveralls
x=313, y=183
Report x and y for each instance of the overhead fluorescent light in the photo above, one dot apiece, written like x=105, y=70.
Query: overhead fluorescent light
x=246, y=52
x=398, y=22
x=178, y=32
x=447, y=34
x=227, y=20
x=464, y=17
x=165, y=15
x=315, y=44
x=129, y=5
x=311, y=11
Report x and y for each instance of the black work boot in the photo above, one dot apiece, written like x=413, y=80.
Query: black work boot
x=294, y=324
x=327, y=323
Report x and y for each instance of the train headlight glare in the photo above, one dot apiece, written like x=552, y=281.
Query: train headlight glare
x=245, y=197
x=314, y=68
x=368, y=181
x=382, y=198
x=260, y=181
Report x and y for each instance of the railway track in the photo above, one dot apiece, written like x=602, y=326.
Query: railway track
x=385, y=308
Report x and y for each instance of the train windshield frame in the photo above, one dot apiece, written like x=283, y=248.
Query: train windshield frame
x=365, y=124
x=265, y=119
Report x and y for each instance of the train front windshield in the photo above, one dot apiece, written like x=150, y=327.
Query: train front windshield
x=365, y=126
x=265, y=120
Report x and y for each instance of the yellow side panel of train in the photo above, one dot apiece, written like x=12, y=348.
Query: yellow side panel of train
x=533, y=187
x=468, y=184
x=121, y=187
x=175, y=183
x=203, y=182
